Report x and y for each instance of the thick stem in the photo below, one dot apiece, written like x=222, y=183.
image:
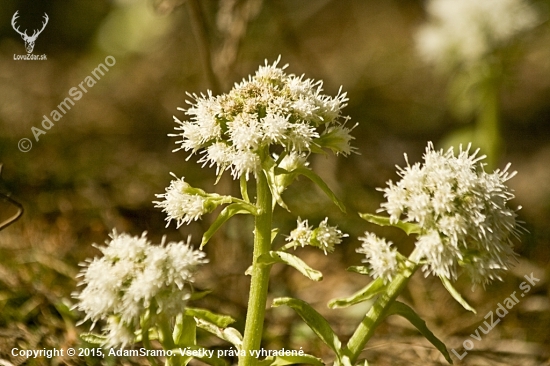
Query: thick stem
x=165, y=335
x=377, y=312
x=260, y=273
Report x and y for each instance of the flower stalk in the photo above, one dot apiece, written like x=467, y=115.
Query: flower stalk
x=260, y=273
x=377, y=312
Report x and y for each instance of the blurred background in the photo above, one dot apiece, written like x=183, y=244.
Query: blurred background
x=100, y=165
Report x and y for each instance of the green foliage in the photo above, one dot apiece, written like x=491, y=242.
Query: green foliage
x=315, y=321
x=456, y=295
x=281, y=257
x=398, y=308
x=373, y=289
x=407, y=227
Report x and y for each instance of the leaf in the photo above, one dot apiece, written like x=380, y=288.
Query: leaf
x=273, y=257
x=276, y=190
x=314, y=320
x=274, y=233
x=407, y=227
x=362, y=270
x=227, y=213
x=291, y=360
x=229, y=334
x=321, y=184
x=197, y=295
x=185, y=330
x=244, y=188
x=454, y=293
x=94, y=338
x=368, y=292
x=222, y=321
x=399, y=308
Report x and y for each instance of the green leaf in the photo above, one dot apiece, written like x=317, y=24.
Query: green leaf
x=229, y=334
x=321, y=184
x=273, y=257
x=454, y=293
x=362, y=270
x=291, y=360
x=398, y=308
x=274, y=233
x=276, y=189
x=407, y=227
x=197, y=295
x=314, y=320
x=227, y=213
x=368, y=292
x=244, y=188
x=185, y=330
x=94, y=338
x=222, y=321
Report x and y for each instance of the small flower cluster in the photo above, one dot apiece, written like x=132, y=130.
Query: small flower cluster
x=461, y=210
x=465, y=31
x=132, y=276
x=324, y=237
x=234, y=130
x=184, y=203
x=380, y=256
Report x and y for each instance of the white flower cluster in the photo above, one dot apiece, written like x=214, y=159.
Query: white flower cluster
x=465, y=31
x=183, y=203
x=234, y=130
x=461, y=210
x=132, y=276
x=324, y=237
x=380, y=256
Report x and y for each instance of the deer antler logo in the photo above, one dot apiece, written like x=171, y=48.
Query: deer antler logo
x=29, y=40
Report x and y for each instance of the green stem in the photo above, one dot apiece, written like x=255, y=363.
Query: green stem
x=376, y=313
x=260, y=274
x=165, y=335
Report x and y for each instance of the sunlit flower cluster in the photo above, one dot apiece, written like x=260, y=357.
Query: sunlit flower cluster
x=465, y=31
x=380, y=256
x=132, y=276
x=183, y=203
x=235, y=130
x=324, y=237
x=461, y=210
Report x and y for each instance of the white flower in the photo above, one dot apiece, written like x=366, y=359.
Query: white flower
x=118, y=333
x=302, y=234
x=466, y=31
x=380, y=256
x=180, y=205
x=245, y=162
x=132, y=276
x=324, y=237
x=462, y=212
x=267, y=109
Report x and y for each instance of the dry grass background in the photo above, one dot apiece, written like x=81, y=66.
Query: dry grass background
x=99, y=167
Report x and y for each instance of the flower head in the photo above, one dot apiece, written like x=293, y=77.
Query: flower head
x=324, y=237
x=184, y=203
x=461, y=210
x=133, y=275
x=235, y=130
x=380, y=256
x=466, y=31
